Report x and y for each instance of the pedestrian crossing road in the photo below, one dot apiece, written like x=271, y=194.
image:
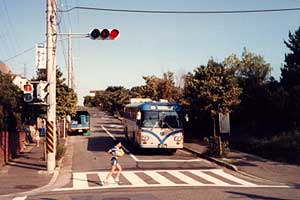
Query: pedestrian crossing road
x=160, y=178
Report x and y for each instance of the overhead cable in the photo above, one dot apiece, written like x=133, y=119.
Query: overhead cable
x=181, y=11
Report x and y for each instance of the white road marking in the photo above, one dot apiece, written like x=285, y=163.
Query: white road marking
x=166, y=160
x=233, y=178
x=136, y=181
x=102, y=176
x=209, y=178
x=184, y=178
x=20, y=198
x=159, y=178
x=80, y=180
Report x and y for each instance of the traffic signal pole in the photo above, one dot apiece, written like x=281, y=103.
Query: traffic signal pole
x=51, y=79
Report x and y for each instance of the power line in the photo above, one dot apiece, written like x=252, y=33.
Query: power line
x=9, y=31
x=182, y=11
x=19, y=54
x=62, y=45
x=69, y=18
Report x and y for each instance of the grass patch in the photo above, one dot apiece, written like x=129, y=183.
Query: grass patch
x=60, y=151
x=284, y=147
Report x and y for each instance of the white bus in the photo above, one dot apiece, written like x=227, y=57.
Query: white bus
x=154, y=125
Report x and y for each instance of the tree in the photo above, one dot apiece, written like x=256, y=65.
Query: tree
x=290, y=73
x=89, y=101
x=66, y=98
x=212, y=88
x=251, y=70
x=112, y=100
x=290, y=77
x=10, y=103
x=252, y=73
x=160, y=88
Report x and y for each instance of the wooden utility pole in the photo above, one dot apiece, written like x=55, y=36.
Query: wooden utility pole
x=51, y=78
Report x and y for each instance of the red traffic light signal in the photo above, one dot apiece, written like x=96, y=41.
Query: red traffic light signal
x=28, y=88
x=104, y=34
x=28, y=92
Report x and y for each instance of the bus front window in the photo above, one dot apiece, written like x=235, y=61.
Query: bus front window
x=149, y=119
x=161, y=119
x=169, y=119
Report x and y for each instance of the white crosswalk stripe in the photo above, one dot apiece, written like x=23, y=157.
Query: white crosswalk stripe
x=160, y=178
x=210, y=178
x=80, y=180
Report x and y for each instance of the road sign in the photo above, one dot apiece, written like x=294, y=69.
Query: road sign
x=40, y=56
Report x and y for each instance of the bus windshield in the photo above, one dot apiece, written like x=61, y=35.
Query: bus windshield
x=161, y=119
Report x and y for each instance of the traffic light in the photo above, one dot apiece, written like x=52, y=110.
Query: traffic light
x=41, y=90
x=28, y=92
x=104, y=34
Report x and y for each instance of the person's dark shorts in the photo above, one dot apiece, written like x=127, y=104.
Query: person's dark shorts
x=114, y=161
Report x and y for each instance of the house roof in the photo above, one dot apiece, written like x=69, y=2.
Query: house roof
x=4, y=68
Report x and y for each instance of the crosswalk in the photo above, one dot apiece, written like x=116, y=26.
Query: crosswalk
x=159, y=178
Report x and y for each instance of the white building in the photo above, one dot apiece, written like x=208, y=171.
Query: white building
x=18, y=80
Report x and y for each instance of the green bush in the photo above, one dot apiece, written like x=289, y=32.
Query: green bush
x=284, y=147
x=60, y=151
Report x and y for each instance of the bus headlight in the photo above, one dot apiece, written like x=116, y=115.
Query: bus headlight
x=178, y=138
x=145, y=138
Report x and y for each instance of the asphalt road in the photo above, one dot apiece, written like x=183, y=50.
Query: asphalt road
x=149, y=174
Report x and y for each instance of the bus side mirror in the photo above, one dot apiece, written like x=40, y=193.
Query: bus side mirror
x=186, y=117
x=138, y=118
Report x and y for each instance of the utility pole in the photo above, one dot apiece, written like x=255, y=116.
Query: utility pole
x=51, y=79
x=70, y=74
x=24, y=70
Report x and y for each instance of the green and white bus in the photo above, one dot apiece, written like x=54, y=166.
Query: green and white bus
x=153, y=124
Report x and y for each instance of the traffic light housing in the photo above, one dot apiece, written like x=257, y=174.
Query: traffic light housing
x=104, y=34
x=28, y=92
x=41, y=90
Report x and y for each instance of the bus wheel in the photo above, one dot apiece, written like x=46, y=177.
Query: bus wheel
x=134, y=143
x=126, y=134
x=171, y=151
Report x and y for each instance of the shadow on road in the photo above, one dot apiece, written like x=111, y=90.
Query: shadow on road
x=253, y=196
x=105, y=141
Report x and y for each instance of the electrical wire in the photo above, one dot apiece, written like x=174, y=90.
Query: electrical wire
x=182, y=11
x=19, y=54
x=63, y=47
x=12, y=29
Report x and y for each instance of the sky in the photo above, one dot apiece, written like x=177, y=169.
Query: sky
x=149, y=44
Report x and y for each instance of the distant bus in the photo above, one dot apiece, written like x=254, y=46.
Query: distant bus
x=80, y=123
x=154, y=124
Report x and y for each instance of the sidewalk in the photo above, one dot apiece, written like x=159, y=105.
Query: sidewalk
x=26, y=172
x=250, y=165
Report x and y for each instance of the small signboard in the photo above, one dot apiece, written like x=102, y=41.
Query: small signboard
x=224, y=123
x=40, y=56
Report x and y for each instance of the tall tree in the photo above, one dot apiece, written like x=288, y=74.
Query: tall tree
x=290, y=76
x=161, y=88
x=10, y=102
x=252, y=72
x=290, y=73
x=212, y=88
x=66, y=98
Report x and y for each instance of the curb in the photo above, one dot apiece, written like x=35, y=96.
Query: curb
x=212, y=159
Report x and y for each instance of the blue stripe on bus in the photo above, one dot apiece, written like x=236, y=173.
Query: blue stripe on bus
x=165, y=138
x=152, y=133
x=170, y=134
